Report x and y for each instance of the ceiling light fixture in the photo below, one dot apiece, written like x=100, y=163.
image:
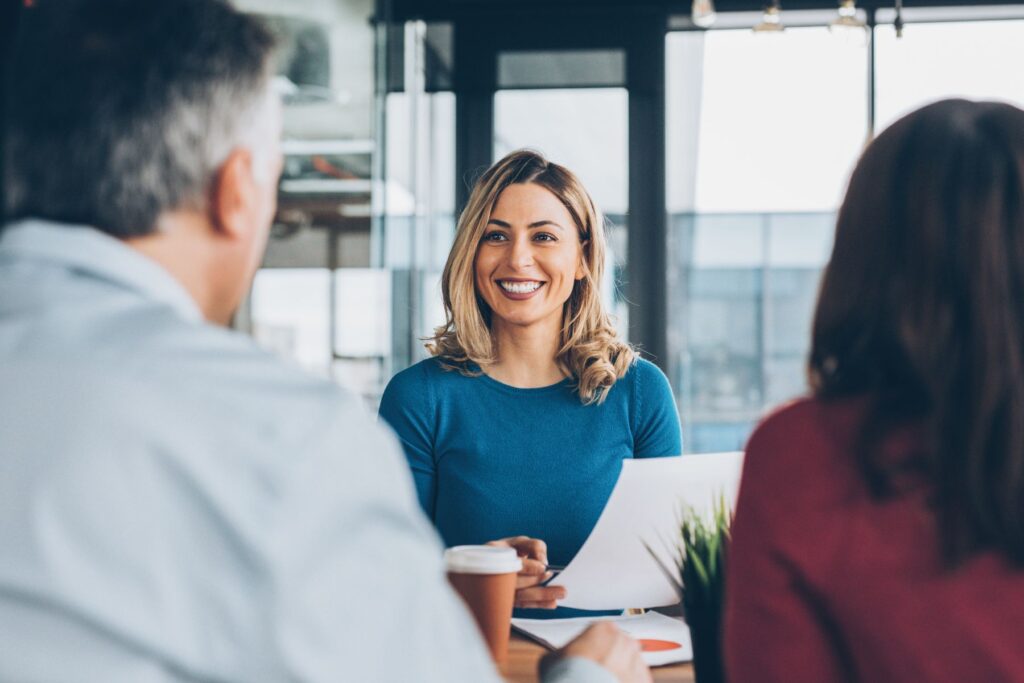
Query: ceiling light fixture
x=703, y=13
x=898, y=23
x=771, y=20
x=847, y=26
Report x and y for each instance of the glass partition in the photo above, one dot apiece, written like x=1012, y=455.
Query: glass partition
x=322, y=231
x=762, y=133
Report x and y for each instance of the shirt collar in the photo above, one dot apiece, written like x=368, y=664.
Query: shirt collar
x=83, y=248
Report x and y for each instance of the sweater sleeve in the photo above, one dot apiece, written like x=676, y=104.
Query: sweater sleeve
x=656, y=432
x=775, y=627
x=407, y=408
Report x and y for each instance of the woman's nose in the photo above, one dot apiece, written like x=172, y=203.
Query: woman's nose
x=521, y=254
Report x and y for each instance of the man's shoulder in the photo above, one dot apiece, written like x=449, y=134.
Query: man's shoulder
x=214, y=375
x=230, y=362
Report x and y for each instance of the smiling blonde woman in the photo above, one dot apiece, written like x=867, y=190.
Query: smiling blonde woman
x=518, y=425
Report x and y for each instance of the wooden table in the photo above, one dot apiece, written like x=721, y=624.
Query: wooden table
x=523, y=655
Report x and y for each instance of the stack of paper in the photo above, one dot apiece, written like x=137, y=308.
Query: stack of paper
x=659, y=632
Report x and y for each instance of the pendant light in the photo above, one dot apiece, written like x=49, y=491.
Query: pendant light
x=771, y=20
x=703, y=13
x=847, y=26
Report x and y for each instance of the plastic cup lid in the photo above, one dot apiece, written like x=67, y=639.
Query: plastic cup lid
x=481, y=559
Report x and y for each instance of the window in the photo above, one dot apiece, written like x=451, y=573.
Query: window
x=920, y=67
x=762, y=133
x=349, y=280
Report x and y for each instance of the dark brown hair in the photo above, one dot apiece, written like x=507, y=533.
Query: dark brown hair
x=922, y=312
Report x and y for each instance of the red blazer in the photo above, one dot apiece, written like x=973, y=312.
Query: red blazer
x=826, y=584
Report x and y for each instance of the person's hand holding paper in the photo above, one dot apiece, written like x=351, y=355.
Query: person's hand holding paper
x=530, y=593
x=623, y=562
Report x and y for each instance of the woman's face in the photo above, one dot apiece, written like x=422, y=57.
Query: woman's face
x=529, y=258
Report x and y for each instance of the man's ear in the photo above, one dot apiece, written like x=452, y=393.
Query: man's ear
x=233, y=195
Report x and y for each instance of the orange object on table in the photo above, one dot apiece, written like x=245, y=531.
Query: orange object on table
x=524, y=655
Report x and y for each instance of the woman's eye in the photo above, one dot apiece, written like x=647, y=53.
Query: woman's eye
x=494, y=237
x=544, y=237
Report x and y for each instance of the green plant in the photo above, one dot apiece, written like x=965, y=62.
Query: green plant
x=699, y=578
x=702, y=572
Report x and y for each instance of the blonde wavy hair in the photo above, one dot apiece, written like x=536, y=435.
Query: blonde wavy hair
x=590, y=351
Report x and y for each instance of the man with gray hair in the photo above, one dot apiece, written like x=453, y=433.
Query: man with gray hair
x=176, y=504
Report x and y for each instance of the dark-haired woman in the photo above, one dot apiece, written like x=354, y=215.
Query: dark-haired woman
x=879, y=533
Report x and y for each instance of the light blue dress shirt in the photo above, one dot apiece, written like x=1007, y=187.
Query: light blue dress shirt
x=178, y=505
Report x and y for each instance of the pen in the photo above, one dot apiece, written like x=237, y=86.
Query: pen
x=554, y=570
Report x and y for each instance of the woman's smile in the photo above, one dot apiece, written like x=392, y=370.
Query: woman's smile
x=518, y=290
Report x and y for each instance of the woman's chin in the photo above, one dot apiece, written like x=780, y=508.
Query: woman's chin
x=520, y=320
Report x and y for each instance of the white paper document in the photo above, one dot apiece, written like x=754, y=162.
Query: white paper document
x=656, y=634
x=615, y=568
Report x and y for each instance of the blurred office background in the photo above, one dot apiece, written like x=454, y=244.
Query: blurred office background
x=718, y=155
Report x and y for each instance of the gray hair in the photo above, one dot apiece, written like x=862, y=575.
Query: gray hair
x=120, y=110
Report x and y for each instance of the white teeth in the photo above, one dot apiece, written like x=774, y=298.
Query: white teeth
x=519, y=287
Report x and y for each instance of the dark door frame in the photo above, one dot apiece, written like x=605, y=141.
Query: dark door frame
x=10, y=13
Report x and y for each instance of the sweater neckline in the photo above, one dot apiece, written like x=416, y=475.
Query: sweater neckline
x=524, y=391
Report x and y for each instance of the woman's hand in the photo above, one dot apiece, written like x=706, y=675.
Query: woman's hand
x=534, y=554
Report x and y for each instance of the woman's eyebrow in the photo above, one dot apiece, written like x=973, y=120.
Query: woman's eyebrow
x=535, y=224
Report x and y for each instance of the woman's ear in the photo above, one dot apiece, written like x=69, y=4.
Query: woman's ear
x=581, y=267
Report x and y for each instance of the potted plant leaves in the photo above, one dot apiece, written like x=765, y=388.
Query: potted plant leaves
x=702, y=570
x=700, y=579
